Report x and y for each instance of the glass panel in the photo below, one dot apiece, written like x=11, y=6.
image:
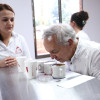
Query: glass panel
x=46, y=13
x=68, y=8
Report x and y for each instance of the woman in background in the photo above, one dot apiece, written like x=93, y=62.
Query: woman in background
x=78, y=21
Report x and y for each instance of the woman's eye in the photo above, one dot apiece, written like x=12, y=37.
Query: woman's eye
x=12, y=20
x=5, y=20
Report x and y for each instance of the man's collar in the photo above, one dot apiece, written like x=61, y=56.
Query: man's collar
x=76, y=54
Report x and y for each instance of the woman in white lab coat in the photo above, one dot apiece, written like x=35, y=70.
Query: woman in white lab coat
x=11, y=43
x=78, y=21
x=13, y=84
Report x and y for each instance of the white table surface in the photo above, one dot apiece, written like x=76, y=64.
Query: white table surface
x=48, y=88
x=16, y=86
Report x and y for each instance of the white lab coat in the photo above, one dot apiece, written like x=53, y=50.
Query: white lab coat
x=16, y=47
x=14, y=84
x=82, y=35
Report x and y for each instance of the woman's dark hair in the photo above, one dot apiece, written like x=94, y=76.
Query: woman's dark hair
x=80, y=18
x=5, y=7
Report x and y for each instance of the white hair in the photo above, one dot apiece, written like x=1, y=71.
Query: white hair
x=64, y=32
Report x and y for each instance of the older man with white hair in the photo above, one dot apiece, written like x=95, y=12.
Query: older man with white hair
x=83, y=56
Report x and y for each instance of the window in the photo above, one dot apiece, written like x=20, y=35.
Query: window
x=48, y=12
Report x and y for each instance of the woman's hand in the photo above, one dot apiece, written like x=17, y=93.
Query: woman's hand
x=9, y=61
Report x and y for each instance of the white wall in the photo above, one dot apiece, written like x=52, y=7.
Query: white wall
x=93, y=25
x=23, y=20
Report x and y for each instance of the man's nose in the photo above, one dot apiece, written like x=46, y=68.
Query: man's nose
x=52, y=56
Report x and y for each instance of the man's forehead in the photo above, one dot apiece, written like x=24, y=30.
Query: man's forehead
x=50, y=44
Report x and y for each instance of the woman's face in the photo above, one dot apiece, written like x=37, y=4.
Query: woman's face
x=6, y=22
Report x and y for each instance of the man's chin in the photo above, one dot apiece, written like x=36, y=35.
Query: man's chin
x=61, y=60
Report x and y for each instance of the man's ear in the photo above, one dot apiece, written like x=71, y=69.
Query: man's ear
x=70, y=41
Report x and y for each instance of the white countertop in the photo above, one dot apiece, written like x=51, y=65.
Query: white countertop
x=48, y=88
x=16, y=86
